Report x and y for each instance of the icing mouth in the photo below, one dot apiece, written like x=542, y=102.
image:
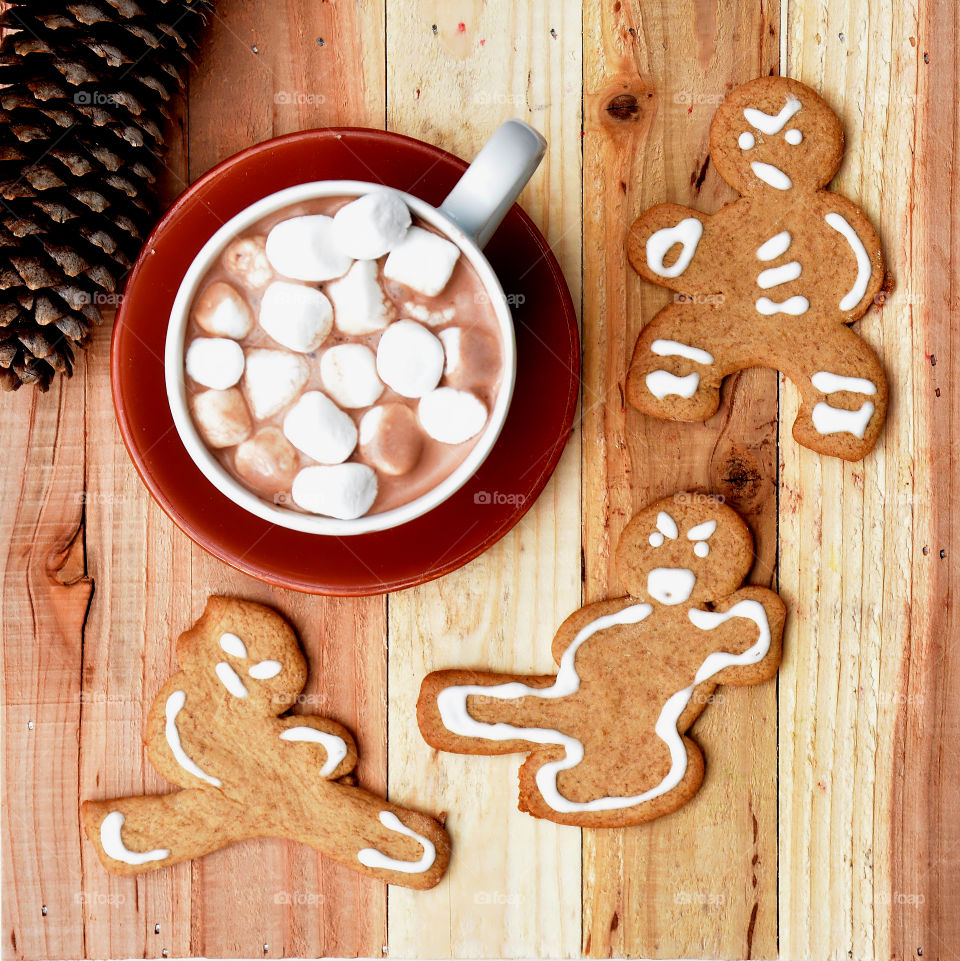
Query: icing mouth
x=670, y=585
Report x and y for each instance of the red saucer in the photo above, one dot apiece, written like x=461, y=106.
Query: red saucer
x=481, y=512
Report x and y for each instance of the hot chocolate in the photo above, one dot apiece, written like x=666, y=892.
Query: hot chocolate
x=341, y=357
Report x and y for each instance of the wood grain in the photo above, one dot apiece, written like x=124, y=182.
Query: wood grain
x=513, y=888
x=703, y=881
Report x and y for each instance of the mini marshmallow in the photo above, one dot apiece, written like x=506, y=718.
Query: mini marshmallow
x=296, y=316
x=409, y=359
x=304, y=248
x=220, y=310
x=349, y=374
x=452, y=416
x=222, y=417
x=346, y=491
x=422, y=261
x=316, y=426
x=246, y=259
x=266, y=461
x=371, y=225
x=390, y=439
x=427, y=316
x=359, y=304
x=214, y=362
x=473, y=357
x=272, y=379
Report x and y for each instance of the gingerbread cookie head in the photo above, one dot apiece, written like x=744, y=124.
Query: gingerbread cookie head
x=244, y=655
x=684, y=549
x=774, y=134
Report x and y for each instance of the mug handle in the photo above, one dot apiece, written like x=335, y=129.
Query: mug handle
x=491, y=184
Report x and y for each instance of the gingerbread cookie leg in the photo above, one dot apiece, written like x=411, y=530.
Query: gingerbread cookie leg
x=136, y=834
x=843, y=402
x=674, y=371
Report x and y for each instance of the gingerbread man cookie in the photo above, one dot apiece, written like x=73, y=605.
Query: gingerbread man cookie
x=770, y=280
x=215, y=730
x=606, y=735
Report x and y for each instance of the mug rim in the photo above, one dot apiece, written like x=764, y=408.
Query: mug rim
x=175, y=374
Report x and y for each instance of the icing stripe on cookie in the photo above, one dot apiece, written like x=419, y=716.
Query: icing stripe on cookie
x=835, y=420
x=859, y=288
x=174, y=706
x=113, y=845
x=335, y=747
x=792, y=305
x=673, y=348
x=828, y=383
x=372, y=858
x=770, y=175
x=771, y=249
x=775, y=276
x=662, y=382
x=770, y=123
x=230, y=679
x=687, y=233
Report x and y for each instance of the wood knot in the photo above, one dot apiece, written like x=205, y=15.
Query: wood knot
x=624, y=106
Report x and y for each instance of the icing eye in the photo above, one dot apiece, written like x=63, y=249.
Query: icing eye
x=232, y=645
x=264, y=670
x=793, y=136
x=656, y=539
x=746, y=140
x=701, y=548
x=667, y=525
x=702, y=531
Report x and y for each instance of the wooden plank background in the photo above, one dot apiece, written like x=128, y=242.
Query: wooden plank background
x=828, y=826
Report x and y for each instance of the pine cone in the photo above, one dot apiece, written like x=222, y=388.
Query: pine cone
x=84, y=93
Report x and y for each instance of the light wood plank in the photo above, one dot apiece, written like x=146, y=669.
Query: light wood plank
x=847, y=542
x=513, y=888
x=702, y=882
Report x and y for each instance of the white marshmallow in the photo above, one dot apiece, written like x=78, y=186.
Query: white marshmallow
x=409, y=359
x=473, y=357
x=349, y=374
x=371, y=225
x=304, y=248
x=452, y=416
x=316, y=426
x=359, y=304
x=266, y=461
x=346, y=491
x=222, y=417
x=214, y=362
x=246, y=259
x=422, y=261
x=220, y=310
x=296, y=316
x=272, y=379
x=427, y=316
x=390, y=439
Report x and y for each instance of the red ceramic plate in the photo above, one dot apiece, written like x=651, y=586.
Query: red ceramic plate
x=481, y=512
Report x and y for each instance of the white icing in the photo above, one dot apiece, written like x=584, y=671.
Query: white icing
x=335, y=747
x=230, y=679
x=687, y=233
x=701, y=548
x=775, y=246
x=656, y=539
x=372, y=858
x=702, y=532
x=670, y=585
x=746, y=140
x=174, y=706
x=772, y=123
x=793, y=137
x=775, y=276
x=673, y=348
x=828, y=383
x=667, y=525
x=232, y=645
x=834, y=420
x=452, y=704
x=792, y=305
x=859, y=288
x=771, y=175
x=662, y=382
x=264, y=670
x=113, y=845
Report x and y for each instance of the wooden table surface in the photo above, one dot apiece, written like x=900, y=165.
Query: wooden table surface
x=829, y=822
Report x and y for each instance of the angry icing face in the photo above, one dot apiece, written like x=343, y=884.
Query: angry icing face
x=774, y=135
x=684, y=549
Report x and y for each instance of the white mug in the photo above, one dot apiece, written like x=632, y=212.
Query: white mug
x=468, y=216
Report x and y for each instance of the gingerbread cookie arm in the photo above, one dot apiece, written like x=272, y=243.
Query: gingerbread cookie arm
x=137, y=834
x=475, y=712
x=662, y=246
